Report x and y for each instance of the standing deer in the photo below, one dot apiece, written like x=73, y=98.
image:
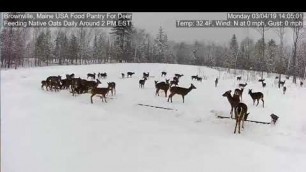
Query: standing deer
x=240, y=115
x=301, y=83
x=129, y=74
x=243, y=85
x=163, y=73
x=216, y=82
x=239, y=92
x=162, y=86
x=284, y=89
x=91, y=75
x=142, y=82
x=112, y=87
x=257, y=96
x=238, y=78
x=181, y=91
x=233, y=100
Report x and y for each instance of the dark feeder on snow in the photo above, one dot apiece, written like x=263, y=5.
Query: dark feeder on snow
x=274, y=118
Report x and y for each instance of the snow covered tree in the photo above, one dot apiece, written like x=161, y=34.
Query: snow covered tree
x=161, y=48
x=271, y=56
x=122, y=43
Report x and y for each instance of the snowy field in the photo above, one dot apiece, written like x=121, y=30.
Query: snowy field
x=44, y=131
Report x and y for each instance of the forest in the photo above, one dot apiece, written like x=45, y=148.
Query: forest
x=39, y=46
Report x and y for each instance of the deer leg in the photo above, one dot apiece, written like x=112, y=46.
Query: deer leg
x=231, y=112
x=165, y=93
x=239, y=126
x=235, y=127
x=257, y=102
x=242, y=121
x=156, y=93
x=253, y=101
x=263, y=102
x=183, y=98
x=91, y=98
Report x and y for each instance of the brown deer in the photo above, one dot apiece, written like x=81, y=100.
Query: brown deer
x=216, y=82
x=122, y=75
x=92, y=75
x=240, y=115
x=181, y=91
x=261, y=80
x=233, y=100
x=284, y=89
x=263, y=84
x=178, y=75
x=146, y=75
x=194, y=77
x=162, y=86
x=243, y=85
x=102, y=91
x=257, y=96
x=142, y=82
x=238, y=78
x=239, y=92
x=282, y=83
x=163, y=73
x=129, y=74
x=301, y=83
x=44, y=84
x=112, y=86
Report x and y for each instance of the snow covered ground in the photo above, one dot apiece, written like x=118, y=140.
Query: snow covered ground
x=43, y=131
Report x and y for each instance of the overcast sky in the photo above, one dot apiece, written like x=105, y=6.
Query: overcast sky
x=152, y=21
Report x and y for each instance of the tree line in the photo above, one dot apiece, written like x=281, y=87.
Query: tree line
x=75, y=46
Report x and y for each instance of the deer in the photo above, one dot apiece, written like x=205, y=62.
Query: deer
x=243, y=85
x=129, y=74
x=44, y=83
x=102, y=91
x=263, y=84
x=287, y=77
x=178, y=75
x=142, y=82
x=92, y=75
x=65, y=83
x=162, y=86
x=233, y=100
x=257, y=96
x=216, y=82
x=282, y=82
x=163, y=73
x=301, y=83
x=54, y=78
x=181, y=91
x=112, y=86
x=199, y=79
x=194, y=77
x=238, y=78
x=102, y=75
x=70, y=76
x=284, y=89
x=261, y=80
x=146, y=75
x=241, y=112
x=239, y=92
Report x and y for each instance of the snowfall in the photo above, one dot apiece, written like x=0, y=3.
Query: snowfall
x=45, y=131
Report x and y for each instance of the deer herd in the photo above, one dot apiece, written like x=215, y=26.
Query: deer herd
x=82, y=86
